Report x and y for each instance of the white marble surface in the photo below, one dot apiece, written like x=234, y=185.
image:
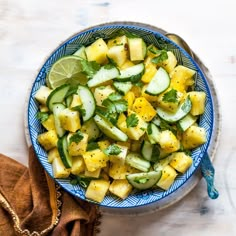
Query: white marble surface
x=30, y=29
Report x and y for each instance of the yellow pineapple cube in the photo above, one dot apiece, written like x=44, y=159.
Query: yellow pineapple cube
x=59, y=170
x=144, y=109
x=118, y=53
x=167, y=178
x=198, y=99
x=103, y=144
x=119, y=170
x=97, y=51
x=42, y=94
x=48, y=139
x=150, y=71
x=119, y=158
x=136, y=145
x=170, y=63
x=121, y=122
x=127, y=64
x=101, y=93
x=78, y=165
x=148, y=97
x=70, y=120
x=95, y=159
x=49, y=124
x=97, y=190
x=180, y=161
x=136, y=90
x=129, y=97
x=193, y=137
x=181, y=78
x=120, y=188
x=93, y=174
x=43, y=108
x=76, y=101
x=53, y=153
x=76, y=149
x=168, y=141
x=126, y=144
x=120, y=40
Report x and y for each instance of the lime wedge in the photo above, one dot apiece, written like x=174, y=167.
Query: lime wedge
x=67, y=69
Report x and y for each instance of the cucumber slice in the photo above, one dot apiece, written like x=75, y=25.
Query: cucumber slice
x=161, y=164
x=133, y=73
x=57, y=95
x=159, y=83
x=187, y=121
x=57, y=108
x=81, y=53
x=135, y=160
x=88, y=102
x=150, y=152
x=109, y=129
x=62, y=146
x=181, y=112
x=153, y=133
x=122, y=87
x=144, y=180
x=103, y=75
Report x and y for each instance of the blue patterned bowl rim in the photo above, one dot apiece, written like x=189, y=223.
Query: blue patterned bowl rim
x=86, y=37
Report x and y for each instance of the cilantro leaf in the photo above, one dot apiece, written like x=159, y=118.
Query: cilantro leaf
x=121, y=106
x=79, y=108
x=170, y=96
x=141, y=180
x=42, y=116
x=162, y=56
x=90, y=68
x=149, y=129
x=153, y=50
x=112, y=150
x=115, y=104
x=187, y=105
x=76, y=138
x=132, y=120
x=92, y=146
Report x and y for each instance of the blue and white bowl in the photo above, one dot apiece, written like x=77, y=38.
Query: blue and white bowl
x=86, y=37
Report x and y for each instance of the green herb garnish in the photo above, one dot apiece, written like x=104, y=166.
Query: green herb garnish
x=112, y=150
x=170, y=96
x=132, y=121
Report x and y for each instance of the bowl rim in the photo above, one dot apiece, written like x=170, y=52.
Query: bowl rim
x=132, y=25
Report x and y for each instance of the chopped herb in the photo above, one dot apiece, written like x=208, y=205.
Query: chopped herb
x=114, y=97
x=139, y=84
x=92, y=146
x=153, y=50
x=76, y=138
x=42, y=116
x=79, y=108
x=72, y=90
x=165, y=126
x=162, y=56
x=90, y=68
x=187, y=104
x=81, y=180
x=132, y=120
x=149, y=129
x=142, y=180
x=170, y=96
x=112, y=150
x=136, y=78
x=112, y=63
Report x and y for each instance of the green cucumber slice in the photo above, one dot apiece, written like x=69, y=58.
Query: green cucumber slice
x=153, y=133
x=159, y=83
x=103, y=75
x=144, y=180
x=81, y=53
x=88, y=102
x=109, y=129
x=57, y=108
x=181, y=112
x=187, y=121
x=57, y=95
x=150, y=152
x=135, y=160
x=122, y=87
x=62, y=146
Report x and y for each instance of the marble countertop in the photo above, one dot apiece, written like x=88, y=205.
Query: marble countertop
x=30, y=30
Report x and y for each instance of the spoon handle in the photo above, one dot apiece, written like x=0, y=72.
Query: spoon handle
x=208, y=173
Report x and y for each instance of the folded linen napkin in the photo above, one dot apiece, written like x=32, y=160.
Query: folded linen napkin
x=32, y=204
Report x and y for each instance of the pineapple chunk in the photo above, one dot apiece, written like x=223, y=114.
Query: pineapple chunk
x=148, y=97
x=101, y=93
x=59, y=170
x=120, y=40
x=136, y=146
x=126, y=144
x=43, y=108
x=91, y=129
x=42, y=94
x=97, y=51
x=52, y=154
x=144, y=109
x=127, y=64
x=121, y=122
x=198, y=102
x=103, y=144
x=168, y=141
x=78, y=165
x=136, y=90
x=119, y=171
x=120, y=188
x=118, y=53
x=170, y=63
x=77, y=149
x=49, y=124
x=130, y=97
x=120, y=158
x=167, y=178
x=48, y=139
x=181, y=78
x=76, y=101
x=95, y=159
x=70, y=120
x=193, y=137
x=97, y=190
x=150, y=71
x=181, y=162
x=93, y=174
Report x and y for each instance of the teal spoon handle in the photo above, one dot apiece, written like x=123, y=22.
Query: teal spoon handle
x=208, y=172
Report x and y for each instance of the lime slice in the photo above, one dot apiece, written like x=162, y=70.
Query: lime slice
x=67, y=69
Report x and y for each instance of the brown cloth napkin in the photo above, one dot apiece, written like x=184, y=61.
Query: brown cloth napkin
x=32, y=204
